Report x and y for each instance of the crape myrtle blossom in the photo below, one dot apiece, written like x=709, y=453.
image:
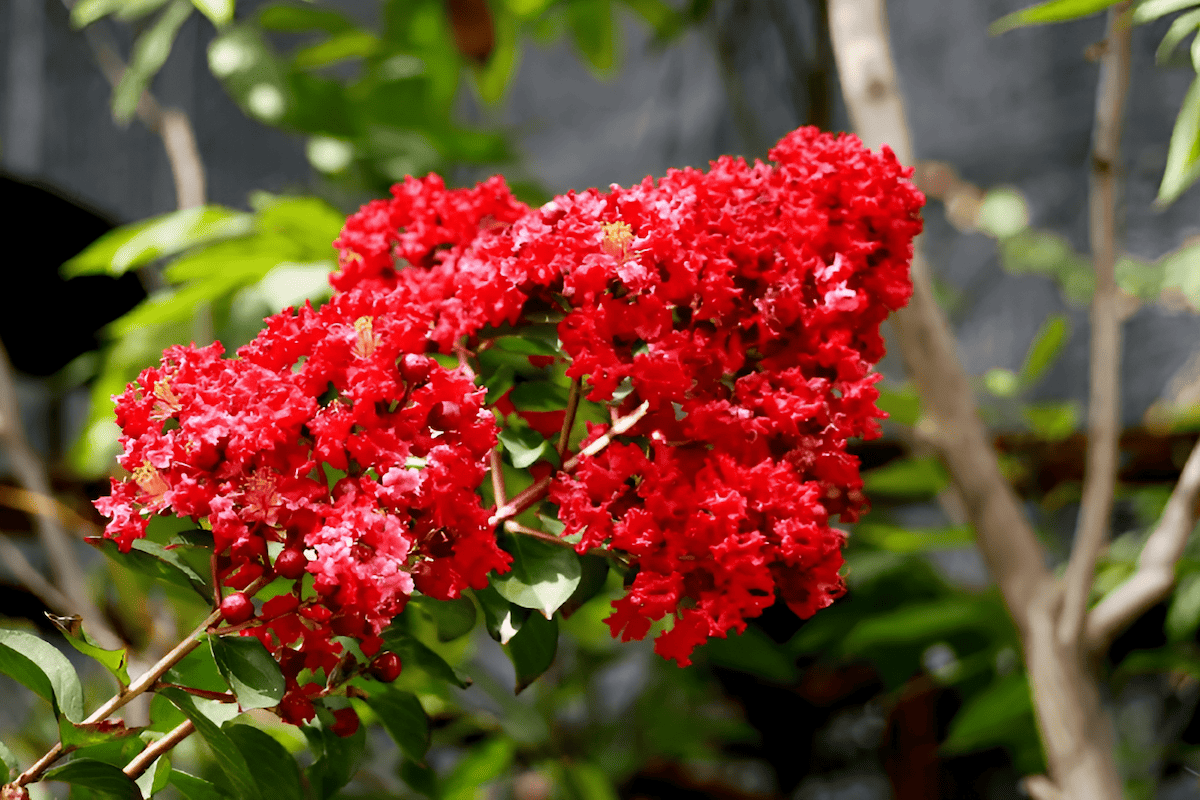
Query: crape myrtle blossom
x=737, y=310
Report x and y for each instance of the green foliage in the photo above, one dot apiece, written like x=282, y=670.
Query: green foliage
x=404, y=719
x=543, y=576
x=274, y=769
x=1049, y=12
x=41, y=668
x=98, y=776
x=115, y=661
x=251, y=672
x=238, y=777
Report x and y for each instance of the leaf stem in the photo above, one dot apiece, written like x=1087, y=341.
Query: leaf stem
x=564, y=437
x=144, y=759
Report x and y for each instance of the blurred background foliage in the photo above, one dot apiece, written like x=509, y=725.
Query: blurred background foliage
x=911, y=686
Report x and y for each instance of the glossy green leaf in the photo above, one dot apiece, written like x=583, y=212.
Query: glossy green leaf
x=502, y=618
x=414, y=654
x=485, y=762
x=251, y=672
x=1047, y=343
x=348, y=44
x=1183, y=153
x=112, y=660
x=907, y=477
x=151, y=558
x=219, y=12
x=97, y=776
x=41, y=668
x=404, y=718
x=275, y=769
x=592, y=29
x=1150, y=10
x=453, y=618
x=139, y=244
x=228, y=756
x=543, y=576
x=194, y=788
x=1048, y=12
x=1183, y=26
x=532, y=343
x=525, y=447
x=149, y=53
x=987, y=718
x=8, y=764
x=337, y=757
x=532, y=649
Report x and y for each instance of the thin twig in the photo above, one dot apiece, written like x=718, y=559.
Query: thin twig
x=144, y=759
x=497, y=470
x=1104, y=422
x=538, y=490
x=1155, y=573
x=564, y=436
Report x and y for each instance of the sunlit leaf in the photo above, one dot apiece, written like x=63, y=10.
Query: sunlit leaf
x=543, y=575
x=149, y=54
x=1181, y=28
x=113, y=660
x=1150, y=10
x=1047, y=344
x=1183, y=154
x=220, y=12
x=251, y=672
x=1048, y=12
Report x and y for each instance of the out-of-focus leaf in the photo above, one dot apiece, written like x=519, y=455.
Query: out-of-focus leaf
x=496, y=74
x=532, y=649
x=1003, y=213
x=150, y=558
x=485, y=762
x=404, y=718
x=543, y=576
x=112, y=660
x=1051, y=11
x=8, y=763
x=453, y=618
x=219, y=11
x=896, y=539
x=589, y=781
x=1183, y=26
x=41, y=668
x=341, y=46
x=149, y=54
x=1183, y=615
x=415, y=654
x=1183, y=154
x=660, y=16
x=1150, y=10
x=903, y=405
x=915, y=623
x=98, y=776
x=591, y=23
x=337, y=757
x=1047, y=344
x=989, y=717
x=288, y=18
x=228, y=755
x=275, y=769
x=85, y=12
x=1052, y=422
x=908, y=477
x=135, y=245
x=754, y=653
x=1001, y=382
x=251, y=672
x=594, y=574
x=421, y=778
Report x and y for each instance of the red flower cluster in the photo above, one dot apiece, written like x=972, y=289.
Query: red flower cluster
x=737, y=310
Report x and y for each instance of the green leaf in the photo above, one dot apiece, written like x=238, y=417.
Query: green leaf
x=275, y=769
x=78, y=735
x=41, y=668
x=338, y=757
x=543, y=576
x=536, y=342
x=220, y=12
x=415, y=654
x=194, y=788
x=896, y=539
x=1183, y=154
x=299, y=19
x=251, y=672
x=1047, y=344
x=1183, y=615
x=754, y=653
x=485, y=762
x=906, y=477
x=1150, y=10
x=903, y=405
x=1048, y=12
x=135, y=245
x=112, y=660
x=591, y=24
x=8, y=764
x=227, y=754
x=525, y=447
x=151, y=558
x=1180, y=29
x=421, y=778
x=664, y=20
x=453, y=618
x=149, y=54
x=987, y=718
x=1003, y=213
x=593, y=575
x=348, y=44
x=532, y=649
x=405, y=720
x=499, y=382
x=502, y=618
x=98, y=776
x=155, y=779
x=85, y=12
x=494, y=77
x=1052, y=422
x=917, y=623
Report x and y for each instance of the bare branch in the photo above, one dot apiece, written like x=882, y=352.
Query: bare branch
x=1039, y=787
x=1155, y=574
x=564, y=436
x=144, y=759
x=1104, y=393
x=1010, y=548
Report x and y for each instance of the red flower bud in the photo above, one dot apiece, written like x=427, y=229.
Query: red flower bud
x=386, y=667
x=290, y=564
x=237, y=608
x=414, y=368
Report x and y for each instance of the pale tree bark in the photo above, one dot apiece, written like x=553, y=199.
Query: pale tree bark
x=1051, y=615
